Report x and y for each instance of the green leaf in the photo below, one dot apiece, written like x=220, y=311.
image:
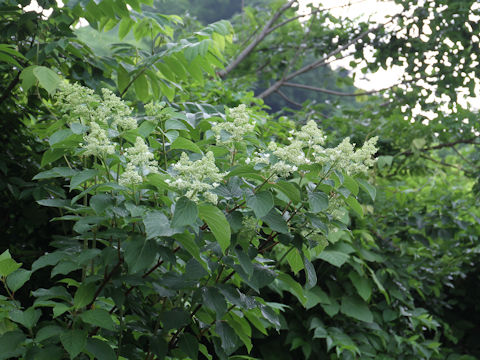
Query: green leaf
x=47, y=78
x=8, y=266
x=98, y=317
x=290, y=190
x=355, y=205
x=333, y=257
x=292, y=286
x=214, y=300
x=188, y=243
x=189, y=345
x=244, y=261
x=27, y=318
x=356, y=308
x=74, y=341
x=10, y=343
x=186, y=212
x=100, y=202
x=123, y=78
x=310, y=273
x=350, y=184
x=140, y=253
x=276, y=222
x=218, y=224
x=141, y=87
x=157, y=225
x=318, y=201
x=185, y=144
x=100, y=349
x=368, y=188
x=295, y=261
x=51, y=155
x=227, y=336
x=316, y=296
x=47, y=332
x=124, y=28
x=84, y=295
x=16, y=279
x=261, y=203
x=28, y=78
x=362, y=284
x=81, y=177
x=253, y=317
x=175, y=319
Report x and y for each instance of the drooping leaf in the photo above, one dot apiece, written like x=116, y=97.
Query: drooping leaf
x=98, y=317
x=74, y=341
x=189, y=345
x=214, y=300
x=16, y=279
x=261, y=203
x=356, y=308
x=318, y=201
x=84, y=295
x=186, y=212
x=100, y=349
x=218, y=224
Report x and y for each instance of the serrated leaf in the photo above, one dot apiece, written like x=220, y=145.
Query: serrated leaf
x=227, y=336
x=261, y=203
x=47, y=332
x=317, y=201
x=333, y=257
x=157, y=225
x=18, y=278
x=276, y=222
x=100, y=349
x=214, y=300
x=355, y=205
x=310, y=273
x=356, y=308
x=189, y=345
x=290, y=190
x=74, y=341
x=185, y=144
x=351, y=184
x=362, y=284
x=141, y=87
x=98, y=317
x=47, y=78
x=186, y=212
x=295, y=261
x=8, y=266
x=368, y=188
x=293, y=287
x=84, y=295
x=81, y=177
x=218, y=224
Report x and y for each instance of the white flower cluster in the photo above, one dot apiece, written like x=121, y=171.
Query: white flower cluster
x=140, y=156
x=306, y=148
x=345, y=157
x=237, y=125
x=80, y=104
x=97, y=142
x=197, y=177
x=130, y=176
x=77, y=103
x=140, y=162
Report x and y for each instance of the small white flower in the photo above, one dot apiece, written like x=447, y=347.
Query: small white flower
x=247, y=161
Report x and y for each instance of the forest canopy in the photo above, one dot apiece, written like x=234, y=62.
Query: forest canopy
x=205, y=180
